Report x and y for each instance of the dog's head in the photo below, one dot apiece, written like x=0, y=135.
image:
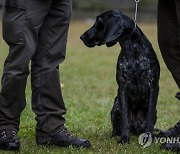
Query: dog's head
x=108, y=28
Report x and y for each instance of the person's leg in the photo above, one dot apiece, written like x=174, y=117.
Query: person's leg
x=21, y=23
x=169, y=42
x=168, y=37
x=47, y=101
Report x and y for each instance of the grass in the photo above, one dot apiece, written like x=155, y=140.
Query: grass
x=89, y=89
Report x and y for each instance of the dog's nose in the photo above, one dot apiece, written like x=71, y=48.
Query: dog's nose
x=82, y=37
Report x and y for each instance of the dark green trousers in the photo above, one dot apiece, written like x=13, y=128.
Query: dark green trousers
x=36, y=31
x=169, y=35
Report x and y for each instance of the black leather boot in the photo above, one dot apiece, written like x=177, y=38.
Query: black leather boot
x=171, y=132
x=171, y=146
x=63, y=139
x=9, y=140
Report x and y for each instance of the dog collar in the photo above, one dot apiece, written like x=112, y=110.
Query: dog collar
x=130, y=34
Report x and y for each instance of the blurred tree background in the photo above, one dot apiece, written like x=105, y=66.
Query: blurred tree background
x=90, y=8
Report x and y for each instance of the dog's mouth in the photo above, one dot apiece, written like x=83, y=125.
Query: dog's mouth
x=98, y=44
x=89, y=44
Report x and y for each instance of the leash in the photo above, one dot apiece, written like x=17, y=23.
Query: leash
x=136, y=12
x=135, y=19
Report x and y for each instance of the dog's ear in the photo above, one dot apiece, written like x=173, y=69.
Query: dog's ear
x=113, y=30
x=117, y=26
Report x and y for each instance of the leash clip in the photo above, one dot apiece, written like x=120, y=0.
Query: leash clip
x=136, y=11
x=137, y=1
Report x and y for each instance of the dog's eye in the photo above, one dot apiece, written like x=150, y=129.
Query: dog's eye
x=100, y=26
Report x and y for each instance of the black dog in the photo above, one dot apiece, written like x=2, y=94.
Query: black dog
x=137, y=75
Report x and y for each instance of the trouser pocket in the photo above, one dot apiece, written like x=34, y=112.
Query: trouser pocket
x=13, y=24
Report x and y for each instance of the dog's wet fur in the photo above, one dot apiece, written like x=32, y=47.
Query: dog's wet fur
x=138, y=73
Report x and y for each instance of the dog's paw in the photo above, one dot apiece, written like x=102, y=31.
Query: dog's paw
x=124, y=139
x=115, y=133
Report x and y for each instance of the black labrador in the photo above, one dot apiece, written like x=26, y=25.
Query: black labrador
x=138, y=73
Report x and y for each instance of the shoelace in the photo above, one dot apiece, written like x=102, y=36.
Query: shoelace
x=67, y=133
x=8, y=134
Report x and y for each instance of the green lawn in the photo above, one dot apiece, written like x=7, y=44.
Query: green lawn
x=89, y=89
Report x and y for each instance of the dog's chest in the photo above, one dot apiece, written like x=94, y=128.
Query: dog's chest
x=137, y=76
x=135, y=73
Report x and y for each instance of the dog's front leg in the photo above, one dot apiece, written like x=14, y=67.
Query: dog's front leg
x=125, y=130
x=151, y=115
